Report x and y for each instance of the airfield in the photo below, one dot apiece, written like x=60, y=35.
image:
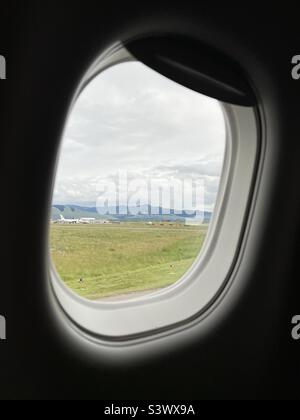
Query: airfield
x=103, y=261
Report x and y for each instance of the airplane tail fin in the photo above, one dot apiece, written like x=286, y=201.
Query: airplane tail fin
x=61, y=217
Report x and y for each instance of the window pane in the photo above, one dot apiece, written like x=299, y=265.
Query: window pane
x=136, y=185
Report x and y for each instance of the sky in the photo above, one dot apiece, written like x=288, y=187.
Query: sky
x=132, y=120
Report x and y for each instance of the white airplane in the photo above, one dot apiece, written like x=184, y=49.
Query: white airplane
x=68, y=221
x=87, y=220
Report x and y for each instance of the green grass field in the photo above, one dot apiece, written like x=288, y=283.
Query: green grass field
x=119, y=259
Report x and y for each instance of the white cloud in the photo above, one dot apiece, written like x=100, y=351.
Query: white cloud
x=131, y=118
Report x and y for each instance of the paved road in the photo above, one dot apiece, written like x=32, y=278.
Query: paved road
x=155, y=229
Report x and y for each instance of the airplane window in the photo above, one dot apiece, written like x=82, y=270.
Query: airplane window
x=136, y=186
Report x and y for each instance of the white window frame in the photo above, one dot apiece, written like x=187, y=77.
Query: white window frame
x=188, y=299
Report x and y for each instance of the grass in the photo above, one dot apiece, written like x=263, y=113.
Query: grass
x=132, y=257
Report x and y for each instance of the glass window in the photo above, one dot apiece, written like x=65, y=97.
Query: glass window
x=136, y=185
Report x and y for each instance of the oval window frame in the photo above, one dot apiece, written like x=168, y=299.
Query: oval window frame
x=190, y=298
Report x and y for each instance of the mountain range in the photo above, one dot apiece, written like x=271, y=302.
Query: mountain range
x=144, y=213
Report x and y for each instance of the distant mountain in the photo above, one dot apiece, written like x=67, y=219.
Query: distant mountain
x=144, y=213
x=73, y=212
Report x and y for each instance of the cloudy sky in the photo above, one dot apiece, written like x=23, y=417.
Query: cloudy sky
x=134, y=120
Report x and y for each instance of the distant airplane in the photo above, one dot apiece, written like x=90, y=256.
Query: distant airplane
x=68, y=221
x=87, y=220
x=83, y=220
